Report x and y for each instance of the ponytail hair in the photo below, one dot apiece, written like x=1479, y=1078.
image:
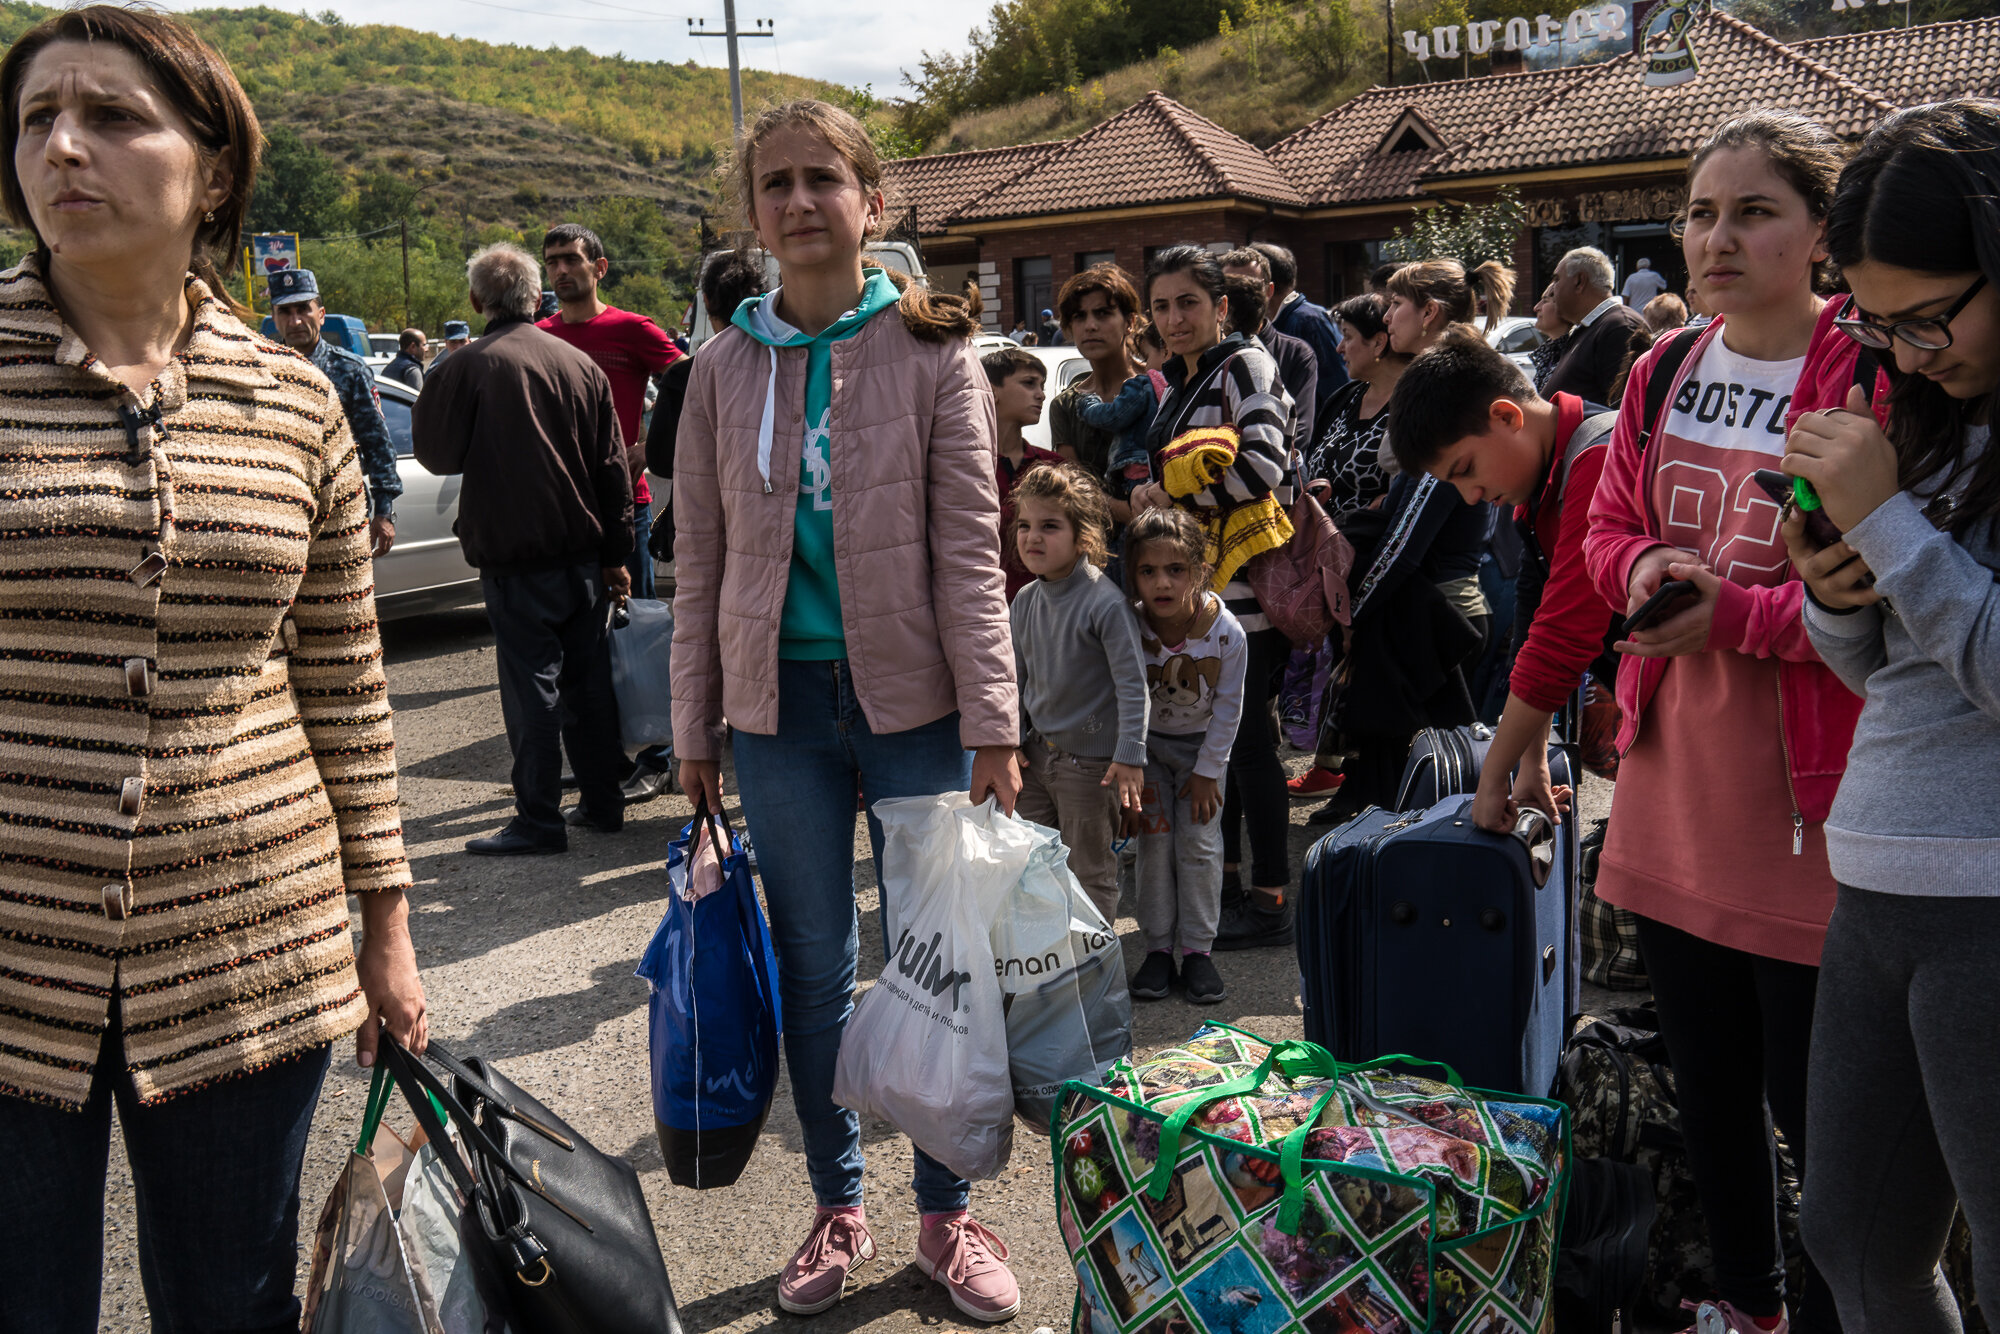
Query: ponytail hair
x=1446, y=282
x=931, y=316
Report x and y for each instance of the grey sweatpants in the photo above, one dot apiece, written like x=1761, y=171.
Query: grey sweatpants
x=1178, y=879
x=1903, y=1097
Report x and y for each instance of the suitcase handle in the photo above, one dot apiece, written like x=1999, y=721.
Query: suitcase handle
x=1538, y=835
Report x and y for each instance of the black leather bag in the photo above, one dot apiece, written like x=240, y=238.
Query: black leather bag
x=557, y=1233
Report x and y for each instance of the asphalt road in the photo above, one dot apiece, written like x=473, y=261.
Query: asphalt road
x=530, y=963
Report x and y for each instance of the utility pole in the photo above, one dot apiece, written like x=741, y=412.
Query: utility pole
x=1388, y=42
x=406, y=271
x=730, y=33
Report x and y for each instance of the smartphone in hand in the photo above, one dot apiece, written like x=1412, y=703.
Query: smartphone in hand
x=1779, y=487
x=1673, y=596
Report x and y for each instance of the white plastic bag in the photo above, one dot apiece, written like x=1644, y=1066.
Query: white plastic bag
x=926, y=1049
x=642, y=636
x=1062, y=975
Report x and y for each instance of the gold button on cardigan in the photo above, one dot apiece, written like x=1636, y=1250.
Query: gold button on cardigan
x=187, y=791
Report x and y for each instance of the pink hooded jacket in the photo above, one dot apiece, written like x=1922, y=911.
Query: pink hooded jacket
x=1817, y=711
x=915, y=534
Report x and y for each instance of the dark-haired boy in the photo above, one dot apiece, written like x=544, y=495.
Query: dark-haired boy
x=1466, y=415
x=1020, y=386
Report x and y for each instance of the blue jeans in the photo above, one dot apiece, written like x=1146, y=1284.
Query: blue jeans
x=798, y=791
x=216, y=1176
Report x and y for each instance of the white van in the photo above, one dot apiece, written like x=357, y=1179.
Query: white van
x=889, y=254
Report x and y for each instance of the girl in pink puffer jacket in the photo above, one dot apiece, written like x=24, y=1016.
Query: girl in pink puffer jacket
x=840, y=602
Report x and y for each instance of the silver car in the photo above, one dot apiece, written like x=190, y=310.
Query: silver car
x=425, y=570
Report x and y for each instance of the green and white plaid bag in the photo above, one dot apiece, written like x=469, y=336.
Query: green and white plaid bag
x=1235, y=1186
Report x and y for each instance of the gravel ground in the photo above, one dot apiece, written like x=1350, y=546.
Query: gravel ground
x=530, y=962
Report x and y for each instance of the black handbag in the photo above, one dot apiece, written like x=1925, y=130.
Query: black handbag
x=557, y=1233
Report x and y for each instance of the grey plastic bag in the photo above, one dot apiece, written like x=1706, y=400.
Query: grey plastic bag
x=642, y=638
x=1062, y=979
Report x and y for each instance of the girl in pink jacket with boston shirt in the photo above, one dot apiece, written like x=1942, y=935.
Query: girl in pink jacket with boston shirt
x=840, y=602
x=1735, y=734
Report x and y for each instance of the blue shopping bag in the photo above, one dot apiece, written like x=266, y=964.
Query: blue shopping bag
x=715, y=1017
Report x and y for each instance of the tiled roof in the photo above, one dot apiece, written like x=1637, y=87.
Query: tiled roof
x=937, y=187
x=1912, y=65
x=1609, y=115
x=1154, y=152
x=1336, y=159
x=1159, y=152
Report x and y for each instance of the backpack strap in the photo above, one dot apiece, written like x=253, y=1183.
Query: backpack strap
x=1660, y=383
x=1590, y=431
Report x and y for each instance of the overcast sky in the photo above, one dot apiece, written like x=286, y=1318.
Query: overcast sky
x=848, y=42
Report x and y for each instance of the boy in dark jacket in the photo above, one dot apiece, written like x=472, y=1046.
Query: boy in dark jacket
x=1466, y=415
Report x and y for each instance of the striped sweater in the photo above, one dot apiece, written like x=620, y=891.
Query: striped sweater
x=1235, y=384
x=196, y=762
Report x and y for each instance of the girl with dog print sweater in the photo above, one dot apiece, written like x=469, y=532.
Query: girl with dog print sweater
x=1195, y=653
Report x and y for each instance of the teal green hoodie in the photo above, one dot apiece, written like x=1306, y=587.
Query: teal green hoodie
x=810, y=628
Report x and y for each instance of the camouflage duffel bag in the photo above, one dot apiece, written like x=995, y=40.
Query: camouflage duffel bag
x=1235, y=1186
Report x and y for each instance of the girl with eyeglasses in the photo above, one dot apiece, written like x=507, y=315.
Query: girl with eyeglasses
x=1734, y=732
x=1906, y=608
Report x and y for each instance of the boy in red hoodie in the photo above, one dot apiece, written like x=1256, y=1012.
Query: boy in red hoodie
x=1465, y=414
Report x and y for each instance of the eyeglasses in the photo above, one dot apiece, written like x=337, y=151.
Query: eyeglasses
x=1929, y=334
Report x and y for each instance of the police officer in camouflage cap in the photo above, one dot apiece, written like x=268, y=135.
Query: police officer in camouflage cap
x=297, y=311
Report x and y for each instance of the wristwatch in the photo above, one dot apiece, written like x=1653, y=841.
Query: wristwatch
x=387, y=512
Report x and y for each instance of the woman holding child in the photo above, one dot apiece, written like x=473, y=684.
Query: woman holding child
x=1225, y=402
x=841, y=603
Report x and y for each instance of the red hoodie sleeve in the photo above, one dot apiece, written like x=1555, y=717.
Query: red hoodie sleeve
x=1568, y=629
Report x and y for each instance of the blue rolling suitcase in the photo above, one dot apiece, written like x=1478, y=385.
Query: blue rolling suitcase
x=1421, y=933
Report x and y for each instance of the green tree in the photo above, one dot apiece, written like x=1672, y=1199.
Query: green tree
x=299, y=188
x=383, y=201
x=1468, y=233
x=1322, y=35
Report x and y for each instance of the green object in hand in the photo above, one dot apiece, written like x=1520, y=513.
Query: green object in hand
x=1803, y=493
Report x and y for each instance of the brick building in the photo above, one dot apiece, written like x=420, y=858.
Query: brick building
x=1596, y=155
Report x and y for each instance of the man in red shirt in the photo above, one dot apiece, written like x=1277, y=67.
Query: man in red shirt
x=630, y=349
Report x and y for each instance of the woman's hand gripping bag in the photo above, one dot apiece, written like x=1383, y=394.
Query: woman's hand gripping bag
x=1062, y=982
x=715, y=1016
x=926, y=1049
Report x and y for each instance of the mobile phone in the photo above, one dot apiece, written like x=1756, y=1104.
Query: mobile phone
x=1785, y=490
x=1670, y=598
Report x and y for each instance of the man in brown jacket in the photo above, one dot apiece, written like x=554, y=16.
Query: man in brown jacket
x=546, y=517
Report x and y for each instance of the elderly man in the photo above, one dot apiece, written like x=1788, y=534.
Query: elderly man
x=297, y=311
x=407, y=366
x=1603, y=329
x=546, y=517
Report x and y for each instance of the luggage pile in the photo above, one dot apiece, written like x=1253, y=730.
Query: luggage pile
x=1392, y=904
x=1269, y=1186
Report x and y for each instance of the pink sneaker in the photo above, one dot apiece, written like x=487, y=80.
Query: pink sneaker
x=1724, y=1318
x=970, y=1261
x=816, y=1278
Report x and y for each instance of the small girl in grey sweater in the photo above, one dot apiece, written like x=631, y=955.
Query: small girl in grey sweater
x=1082, y=679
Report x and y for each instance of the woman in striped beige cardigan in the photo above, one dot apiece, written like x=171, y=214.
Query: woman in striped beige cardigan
x=196, y=764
